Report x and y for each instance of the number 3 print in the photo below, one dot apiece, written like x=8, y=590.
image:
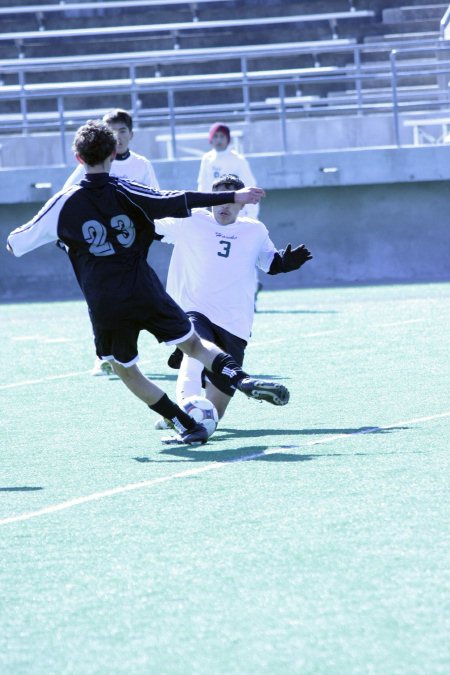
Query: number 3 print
x=226, y=249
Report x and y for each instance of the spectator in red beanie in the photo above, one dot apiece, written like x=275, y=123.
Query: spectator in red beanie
x=222, y=160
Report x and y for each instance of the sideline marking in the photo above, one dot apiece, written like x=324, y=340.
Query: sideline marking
x=47, y=378
x=50, y=378
x=399, y=323
x=209, y=467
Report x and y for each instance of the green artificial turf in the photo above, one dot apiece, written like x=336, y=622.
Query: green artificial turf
x=307, y=539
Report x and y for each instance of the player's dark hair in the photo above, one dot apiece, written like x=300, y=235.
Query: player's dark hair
x=94, y=142
x=229, y=181
x=118, y=116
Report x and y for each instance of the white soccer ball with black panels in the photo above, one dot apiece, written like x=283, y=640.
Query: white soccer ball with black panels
x=203, y=411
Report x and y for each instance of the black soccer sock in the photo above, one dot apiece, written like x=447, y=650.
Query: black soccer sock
x=171, y=411
x=225, y=365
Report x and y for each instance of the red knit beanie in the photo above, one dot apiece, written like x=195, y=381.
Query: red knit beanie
x=218, y=126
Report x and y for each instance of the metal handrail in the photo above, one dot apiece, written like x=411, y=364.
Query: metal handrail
x=444, y=23
x=442, y=68
x=357, y=73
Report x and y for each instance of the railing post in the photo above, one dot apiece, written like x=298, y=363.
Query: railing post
x=395, y=110
x=171, y=102
x=357, y=62
x=281, y=94
x=245, y=89
x=134, y=97
x=62, y=129
x=23, y=103
x=444, y=23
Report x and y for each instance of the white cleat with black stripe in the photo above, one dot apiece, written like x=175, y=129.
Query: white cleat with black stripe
x=264, y=390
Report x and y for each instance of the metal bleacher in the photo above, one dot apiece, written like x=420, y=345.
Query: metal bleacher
x=175, y=28
x=339, y=71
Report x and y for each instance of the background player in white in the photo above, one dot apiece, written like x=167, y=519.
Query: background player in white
x=211, y=275
x=107, y=225
x=222, y=160
x=127, y=164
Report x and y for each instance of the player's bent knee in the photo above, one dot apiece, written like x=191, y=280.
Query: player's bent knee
x=191, y=346
x=123, y=372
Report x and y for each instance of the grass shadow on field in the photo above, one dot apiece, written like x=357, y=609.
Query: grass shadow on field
x=211, y=454
x=23, y=488
x=225, y=433
x=163, y=377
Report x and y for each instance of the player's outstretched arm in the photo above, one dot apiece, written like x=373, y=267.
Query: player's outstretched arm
x=289, y=259
x=249, y=195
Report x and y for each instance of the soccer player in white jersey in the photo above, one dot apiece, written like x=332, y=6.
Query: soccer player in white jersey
x=222, y=160
x=128, y=165
x=107, y=225
x=211, y=276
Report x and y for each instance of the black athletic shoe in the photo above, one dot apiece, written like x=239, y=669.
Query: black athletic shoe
x=264, y=390
x=175, y=359
x=196, y=436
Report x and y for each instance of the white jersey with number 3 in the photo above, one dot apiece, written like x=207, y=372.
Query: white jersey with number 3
x=212, y=269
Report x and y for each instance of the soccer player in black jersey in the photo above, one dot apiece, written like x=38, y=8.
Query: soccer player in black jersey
x=107, y=226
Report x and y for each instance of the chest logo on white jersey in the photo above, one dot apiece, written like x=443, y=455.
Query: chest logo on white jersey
x=225, y=236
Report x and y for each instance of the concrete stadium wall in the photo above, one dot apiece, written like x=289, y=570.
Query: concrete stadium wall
x=373, y=216
x=302, y=135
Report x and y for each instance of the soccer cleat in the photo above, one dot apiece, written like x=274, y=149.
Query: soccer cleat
x=264, y=390
x=164, y=424
x=102, y=368
x=196, y=436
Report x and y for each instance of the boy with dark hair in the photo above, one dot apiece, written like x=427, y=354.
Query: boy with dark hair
x=126, y=164
x=107, y=225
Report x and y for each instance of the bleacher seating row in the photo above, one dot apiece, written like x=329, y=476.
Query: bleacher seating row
x=59, y=76
x=75, y=8
x=174, y=29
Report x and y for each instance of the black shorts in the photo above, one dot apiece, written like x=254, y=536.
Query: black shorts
x=231, y=344
x=165, y=320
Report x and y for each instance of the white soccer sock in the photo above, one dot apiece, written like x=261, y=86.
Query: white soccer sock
x=189, y=382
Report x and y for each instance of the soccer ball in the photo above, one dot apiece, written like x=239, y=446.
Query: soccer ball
x=203, y=411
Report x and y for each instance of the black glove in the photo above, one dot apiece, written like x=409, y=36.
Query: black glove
x=289, y=259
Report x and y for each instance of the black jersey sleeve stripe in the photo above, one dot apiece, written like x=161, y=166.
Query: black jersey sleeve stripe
x=146, y=191
x=138, y=206
x=154, y=203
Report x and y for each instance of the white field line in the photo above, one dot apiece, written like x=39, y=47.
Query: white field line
x=399, y=323
x=49, y=378
x=209, y=467
x=285, y=339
